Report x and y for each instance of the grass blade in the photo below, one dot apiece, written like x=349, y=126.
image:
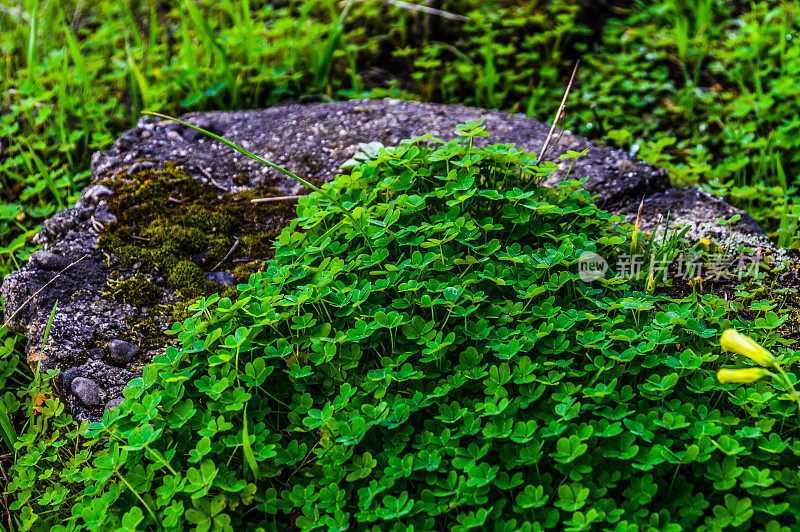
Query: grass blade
x=323, y=64
x=38, y=376
x=271, y=165
x=7, y=428
x=249, y=457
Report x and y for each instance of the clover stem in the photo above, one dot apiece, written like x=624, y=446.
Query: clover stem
x=788, y=386
x=672, y=482
x=149, y=510
x=161, y=459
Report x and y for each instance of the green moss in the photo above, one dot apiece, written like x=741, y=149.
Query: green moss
x=218, y=248
x=180, y=311
x=244, y=271
x=257, y=245
x=219, y=220
x=176, y=229
x=187, y=277
x=146, y=332
x=136, y=291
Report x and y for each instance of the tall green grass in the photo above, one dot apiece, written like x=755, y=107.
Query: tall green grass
x=76, y=74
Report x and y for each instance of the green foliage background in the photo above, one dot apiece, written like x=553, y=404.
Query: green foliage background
x=706, y=89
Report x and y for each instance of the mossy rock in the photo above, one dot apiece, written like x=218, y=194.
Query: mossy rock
x=175, y=229
x=180, y=200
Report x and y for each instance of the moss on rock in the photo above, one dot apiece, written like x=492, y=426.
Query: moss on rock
x=171, y=230
x=136, y=291
x=177, y=228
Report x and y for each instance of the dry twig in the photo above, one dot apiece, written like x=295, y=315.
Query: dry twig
x=277, y=198
x=211, y=178
x=417, y=7
x=560, y=110
x=48, y=283
x=233, y=247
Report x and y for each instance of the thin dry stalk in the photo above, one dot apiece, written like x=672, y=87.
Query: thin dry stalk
x=417, y=7
x=560, y=110
x=211, y=178
x=277, y=198
x=233, y=247
x=48, y=283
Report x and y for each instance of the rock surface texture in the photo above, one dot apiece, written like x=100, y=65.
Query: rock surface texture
x=99, y=343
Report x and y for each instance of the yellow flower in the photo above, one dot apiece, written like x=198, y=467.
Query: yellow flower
x=732, y=340
x=728, y=376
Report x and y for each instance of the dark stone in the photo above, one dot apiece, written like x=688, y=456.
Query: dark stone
x=87, y=391
x=122, y=352
x=104, y=217
x=222, y=278
x=67, y=376
x=48, y=261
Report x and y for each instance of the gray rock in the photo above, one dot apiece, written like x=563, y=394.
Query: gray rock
x=697, y=210
x=122, y=352
x=222, y=278
x=94, y=193
x=88, y=391
x=312, y=141
x=48, y=261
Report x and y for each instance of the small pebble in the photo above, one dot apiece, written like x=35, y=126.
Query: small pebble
x=93, y=194
x=114, y=403
x=174, y=135
x=48, y=261
x=138, y=167
x=223, y=278
x=88, y=391
x=122, y=352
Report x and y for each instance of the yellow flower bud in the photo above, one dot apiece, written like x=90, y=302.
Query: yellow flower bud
x=729, y=376
x=651, y=283
x=732, y=340
x=635, y=237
